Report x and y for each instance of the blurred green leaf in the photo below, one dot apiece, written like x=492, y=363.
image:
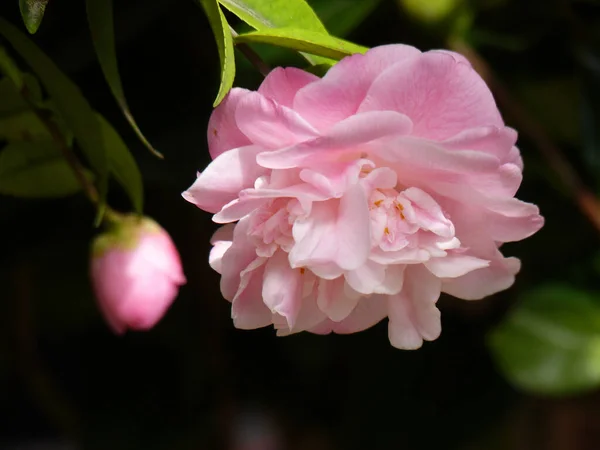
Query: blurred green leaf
x=550, y=343
x=265, y=14
x=430, y=11
x=10, y=69
x=11, y=100
x=69, y=101
x=24, y=126
x=100, y=19
x=32, y=12
x=122, y=164
x=555, y=102
x=304, y=41
x=341, y=17
x=224, y=39
x=35, y=170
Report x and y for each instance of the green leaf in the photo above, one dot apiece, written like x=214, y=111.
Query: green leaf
x=35, y=170
x=25, y=126
x=11, y=70
x=265, y=14
x=550, y=343
x=123, y=165
x=224, y=39
x=261, y=14
x=304, y=41
x=68, y=100
x=100, y=19
x=11, y=100
x=32, y=12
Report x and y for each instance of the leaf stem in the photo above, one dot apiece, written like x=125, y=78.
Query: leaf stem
x=76, y=167
x=587, y=202
x=253, y=57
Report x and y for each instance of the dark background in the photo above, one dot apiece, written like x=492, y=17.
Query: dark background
x=194, y=382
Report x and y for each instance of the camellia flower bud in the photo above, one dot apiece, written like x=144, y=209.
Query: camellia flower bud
x=136, y=273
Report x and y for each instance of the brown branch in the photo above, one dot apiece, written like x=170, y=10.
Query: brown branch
x=253, y=57
x=530, y=127
x=58, y=138
x=67, y=152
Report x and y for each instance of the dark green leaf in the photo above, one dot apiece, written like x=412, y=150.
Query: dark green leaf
x=25, y=126
x=550, y=343
x=224, y=39
x=68, y=100
x=343, y=16
x=11, y=100
x=122, y=164
x=100, y=18
x=35, y=170
x=11, y=70
x=32, y=12
x=304, y=41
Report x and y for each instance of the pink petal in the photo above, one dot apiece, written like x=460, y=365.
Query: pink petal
x=248, y=310
x=334, y=178
x=346, y=137
x=368, y=312
x=237, y=209
x=455, y=265
x=413, y=314
x=441, y=95
x=282, y=288
x=334, y=301
x=338, y=95
x=366, y=278
x=335, y=232
x=504, y=183
x=512, y=229
x=309, y=316
x=269, y=124
x=224, y=178
x=394, y=280
x=428, y=214
x=237, y=258
x=414, y=154
x=497, y=141
x=500, y=275
x=221, y=241
x=282, y=84
x=223, y=133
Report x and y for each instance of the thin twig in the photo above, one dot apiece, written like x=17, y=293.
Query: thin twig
x=253, y=57
x=529, y=126
x=65, y=149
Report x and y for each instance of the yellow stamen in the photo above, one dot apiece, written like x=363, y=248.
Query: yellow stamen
x=386, y=230
x=302, y=270
x=378, y=203
x=400, y=208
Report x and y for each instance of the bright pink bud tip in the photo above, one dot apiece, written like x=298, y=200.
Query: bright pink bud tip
x=363, y=195
x=136, y=273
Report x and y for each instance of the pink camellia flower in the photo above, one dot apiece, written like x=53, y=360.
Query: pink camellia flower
x=363, y=195
x=136, y=273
